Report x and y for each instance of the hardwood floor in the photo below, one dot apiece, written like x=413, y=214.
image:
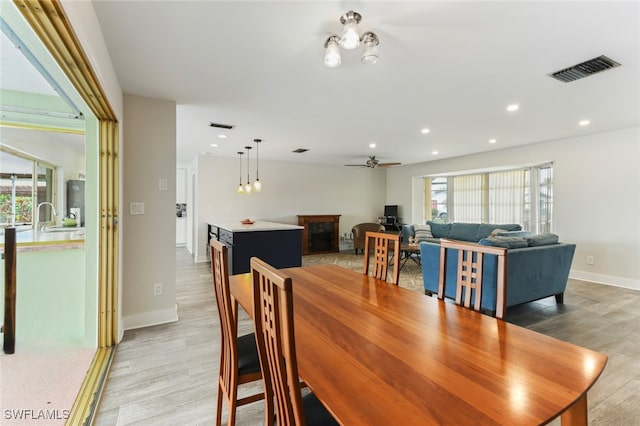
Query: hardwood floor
x=166, y=375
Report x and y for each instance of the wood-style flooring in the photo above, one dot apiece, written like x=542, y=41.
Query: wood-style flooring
x=166, y=375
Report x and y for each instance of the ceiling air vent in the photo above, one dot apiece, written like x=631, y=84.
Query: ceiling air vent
x=584, y=69
x=300, y=150
x=221, y=126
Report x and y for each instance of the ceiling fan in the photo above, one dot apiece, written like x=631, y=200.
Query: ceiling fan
x=372, y=163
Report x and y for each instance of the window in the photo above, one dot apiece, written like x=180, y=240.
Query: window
x=523, y=196
x=24, y=183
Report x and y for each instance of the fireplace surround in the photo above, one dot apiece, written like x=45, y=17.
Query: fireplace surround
x=320, y=233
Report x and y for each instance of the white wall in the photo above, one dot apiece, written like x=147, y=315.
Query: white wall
x=149, y=243
x=596, y=197
x=289, y=189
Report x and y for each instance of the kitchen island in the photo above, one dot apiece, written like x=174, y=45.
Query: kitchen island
x=278, y=244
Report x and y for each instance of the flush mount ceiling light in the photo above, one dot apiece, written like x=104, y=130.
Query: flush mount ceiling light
x=350, y=40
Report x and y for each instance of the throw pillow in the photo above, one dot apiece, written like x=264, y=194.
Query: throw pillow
x=439, y=230
x=496, y=232
x=504, y=242
x=543, y=239
x=422, y=232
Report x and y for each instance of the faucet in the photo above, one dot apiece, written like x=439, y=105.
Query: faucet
x=38, y=226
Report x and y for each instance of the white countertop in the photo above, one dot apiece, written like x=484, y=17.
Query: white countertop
x=258, y=225
x=49, y=236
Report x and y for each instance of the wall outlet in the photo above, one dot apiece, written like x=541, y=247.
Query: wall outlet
x=157, y=289
x=162, y=185
x=591, y=260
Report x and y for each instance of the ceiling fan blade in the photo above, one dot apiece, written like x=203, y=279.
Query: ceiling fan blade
x=388, y=164
x=356, y=165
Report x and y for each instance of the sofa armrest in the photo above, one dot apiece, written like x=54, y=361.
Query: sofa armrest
x=532, y=272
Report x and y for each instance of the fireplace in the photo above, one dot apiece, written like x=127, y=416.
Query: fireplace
x=320, y=233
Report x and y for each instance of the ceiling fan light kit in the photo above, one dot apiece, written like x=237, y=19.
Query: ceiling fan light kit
x=350, y=40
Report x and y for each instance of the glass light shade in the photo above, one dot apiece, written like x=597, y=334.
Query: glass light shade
x=257, y=185
x=370, y=55
x=350, y=38
x=240, y=189
x=332, y=57
x=247, y=187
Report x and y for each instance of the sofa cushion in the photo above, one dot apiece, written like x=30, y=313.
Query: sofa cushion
x=463, y=231
x=504, y=242
x=543, y=239
x=485, y=229
x=502, y=233
x=422, y=232
x=439, y=230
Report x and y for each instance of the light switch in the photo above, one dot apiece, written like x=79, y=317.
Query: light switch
x=162, y=184
x=136, y=208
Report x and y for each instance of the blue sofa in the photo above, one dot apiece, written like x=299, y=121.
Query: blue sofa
x=533, y=271
x=472, y=232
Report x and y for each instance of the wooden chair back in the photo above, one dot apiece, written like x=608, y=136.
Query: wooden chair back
x=228, y=377
x=386, y=250
x=469, y=274
x=273, y=318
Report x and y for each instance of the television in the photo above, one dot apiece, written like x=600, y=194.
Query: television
x=391, y=211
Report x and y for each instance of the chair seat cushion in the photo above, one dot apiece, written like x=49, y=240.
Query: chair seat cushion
x=315, y=412
x=248, y=360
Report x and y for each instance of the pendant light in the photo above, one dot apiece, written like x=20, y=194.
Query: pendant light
x=247, y=187
x=257, y=184
x=240, y=188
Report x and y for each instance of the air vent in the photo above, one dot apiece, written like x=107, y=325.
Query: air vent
x=584, y=69
x=221, y=126
x=300, y=150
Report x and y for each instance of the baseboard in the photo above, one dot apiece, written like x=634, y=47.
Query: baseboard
x=605, y=279
x=201, y=259
x=147, y=319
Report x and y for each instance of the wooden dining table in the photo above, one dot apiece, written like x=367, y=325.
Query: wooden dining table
x=378, y=354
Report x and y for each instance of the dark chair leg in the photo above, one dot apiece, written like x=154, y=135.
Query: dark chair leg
x=356, y=250
x=560, y=298
x=428, y=293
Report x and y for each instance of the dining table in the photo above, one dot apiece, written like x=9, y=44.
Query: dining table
x=378, y=354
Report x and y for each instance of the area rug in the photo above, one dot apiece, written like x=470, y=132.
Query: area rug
x=410, y=273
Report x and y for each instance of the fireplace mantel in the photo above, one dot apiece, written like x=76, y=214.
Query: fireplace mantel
x=320, y=233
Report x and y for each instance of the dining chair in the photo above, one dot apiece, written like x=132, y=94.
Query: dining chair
x=239, y=360
x=273, y=320
x=469, y=274
x=386, y=250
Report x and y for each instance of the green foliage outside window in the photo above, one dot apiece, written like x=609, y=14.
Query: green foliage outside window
x=24, y=209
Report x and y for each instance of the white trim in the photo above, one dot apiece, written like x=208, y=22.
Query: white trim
x=201, y=259
x=605, y=279
x=147, y=319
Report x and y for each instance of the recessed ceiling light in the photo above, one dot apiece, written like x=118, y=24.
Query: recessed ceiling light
x=513, y=107
x=584, y=122
x=434, y=153
x=493, y=140
x=215, y=145
x=372, y=145
x=222, y=136
x=425, y=131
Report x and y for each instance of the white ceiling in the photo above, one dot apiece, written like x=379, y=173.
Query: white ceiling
x=450, y=66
